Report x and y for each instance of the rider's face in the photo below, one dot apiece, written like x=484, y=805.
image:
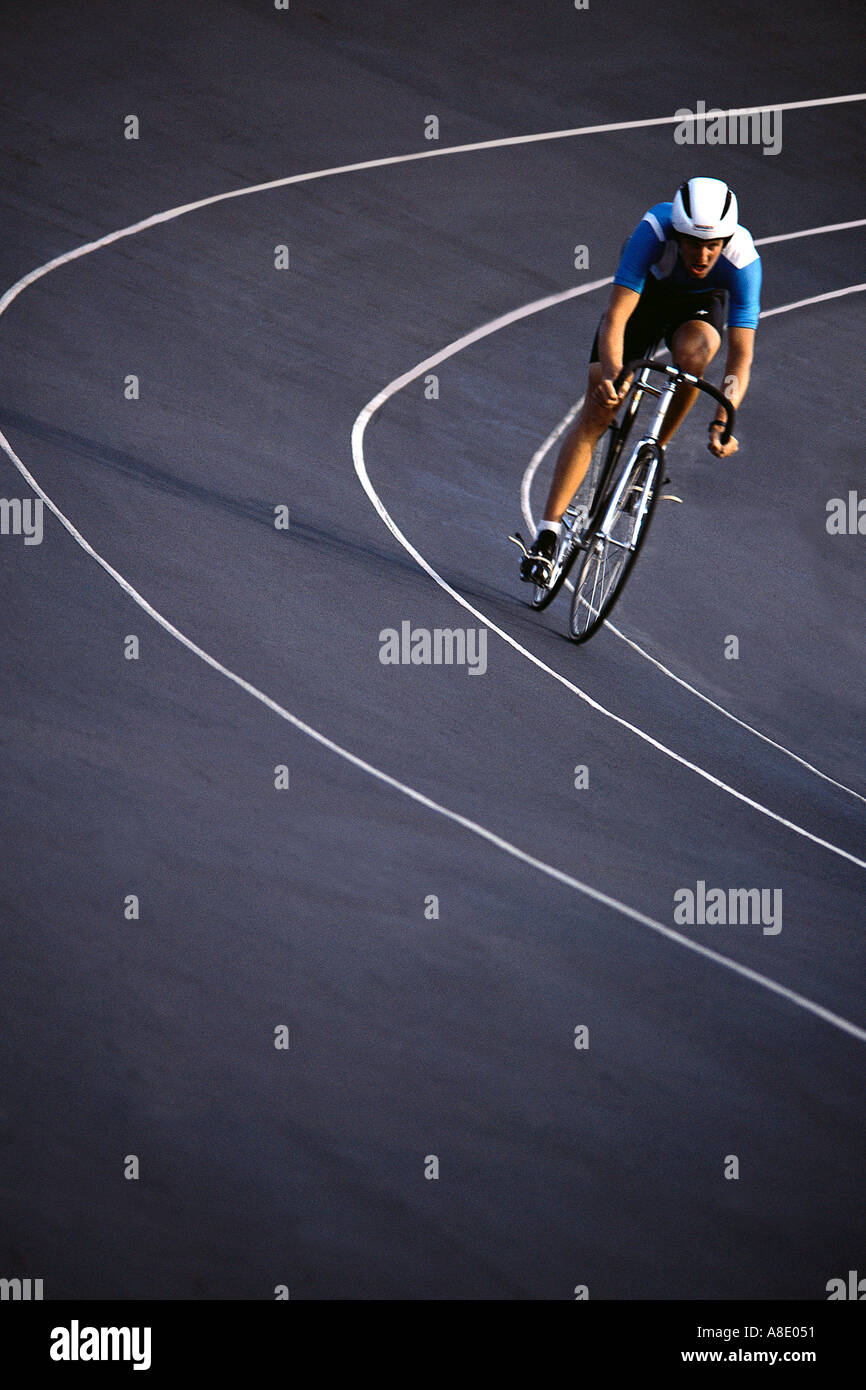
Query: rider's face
x=698, y=256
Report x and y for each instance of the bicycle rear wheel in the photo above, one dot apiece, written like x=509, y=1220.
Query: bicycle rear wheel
x=543, y=594
x=614, y=543
x=575, y=520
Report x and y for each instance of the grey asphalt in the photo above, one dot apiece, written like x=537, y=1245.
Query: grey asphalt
x=412, y=1037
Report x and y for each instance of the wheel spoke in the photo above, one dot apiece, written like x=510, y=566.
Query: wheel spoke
x=612, y=551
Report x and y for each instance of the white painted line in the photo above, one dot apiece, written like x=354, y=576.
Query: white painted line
x=413, y=794
x=182, y=209
x=535, y=462
x=526, y=507
x=728, y=715
x=358, y=430
x=12, y=293
x=815, y=299
x=813, y=231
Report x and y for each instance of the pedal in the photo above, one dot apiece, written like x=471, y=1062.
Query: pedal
x=539, y=571
x=535, y=569
x=542, y=572
x=520, y=543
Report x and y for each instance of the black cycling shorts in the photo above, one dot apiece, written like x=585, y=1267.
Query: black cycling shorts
x=658, y=315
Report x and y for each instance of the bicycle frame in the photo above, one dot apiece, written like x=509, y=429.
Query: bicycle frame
x=570, y=543
x=596, y=523
x=613, y=506
x=640, y=386
x=676, y=377
x=609, y=503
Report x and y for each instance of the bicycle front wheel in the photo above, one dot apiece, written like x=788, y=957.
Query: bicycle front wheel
x=614, y=544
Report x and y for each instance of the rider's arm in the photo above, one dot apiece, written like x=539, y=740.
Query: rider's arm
x=619, y=310
x=742, y=278
x=738, y=366
x=642, y=249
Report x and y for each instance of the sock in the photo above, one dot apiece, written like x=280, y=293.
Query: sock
x=554, y=526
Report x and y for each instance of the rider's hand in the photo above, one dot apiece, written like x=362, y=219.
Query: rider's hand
x=715, y=446
x=606, y=394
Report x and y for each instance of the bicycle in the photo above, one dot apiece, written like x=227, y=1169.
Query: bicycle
x=607, y=519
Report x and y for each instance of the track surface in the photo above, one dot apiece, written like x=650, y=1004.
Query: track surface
x=306, y=907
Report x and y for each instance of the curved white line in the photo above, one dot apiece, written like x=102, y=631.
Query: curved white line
x=535, y=463
x=14, y=290
x=526, y=508
x=414, y=795
x=183, y=208
x=728, y=715
x=358, y=430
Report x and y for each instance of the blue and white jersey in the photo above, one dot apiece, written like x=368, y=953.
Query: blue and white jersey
x=651, y=249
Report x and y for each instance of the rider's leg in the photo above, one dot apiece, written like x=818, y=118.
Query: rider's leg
x=693, y=347
x=576, y=449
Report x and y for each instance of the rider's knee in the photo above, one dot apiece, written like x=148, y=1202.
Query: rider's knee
x=695, y=351
x=594, y=418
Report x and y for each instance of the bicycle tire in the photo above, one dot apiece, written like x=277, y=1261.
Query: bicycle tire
x=590, y=495
x=542, y=594
x=599, y=468
x=606, y=566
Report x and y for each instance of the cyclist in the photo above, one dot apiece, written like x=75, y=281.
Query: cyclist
x=674, y=274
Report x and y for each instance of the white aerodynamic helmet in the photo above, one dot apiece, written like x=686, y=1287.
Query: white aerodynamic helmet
x=705, y=208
